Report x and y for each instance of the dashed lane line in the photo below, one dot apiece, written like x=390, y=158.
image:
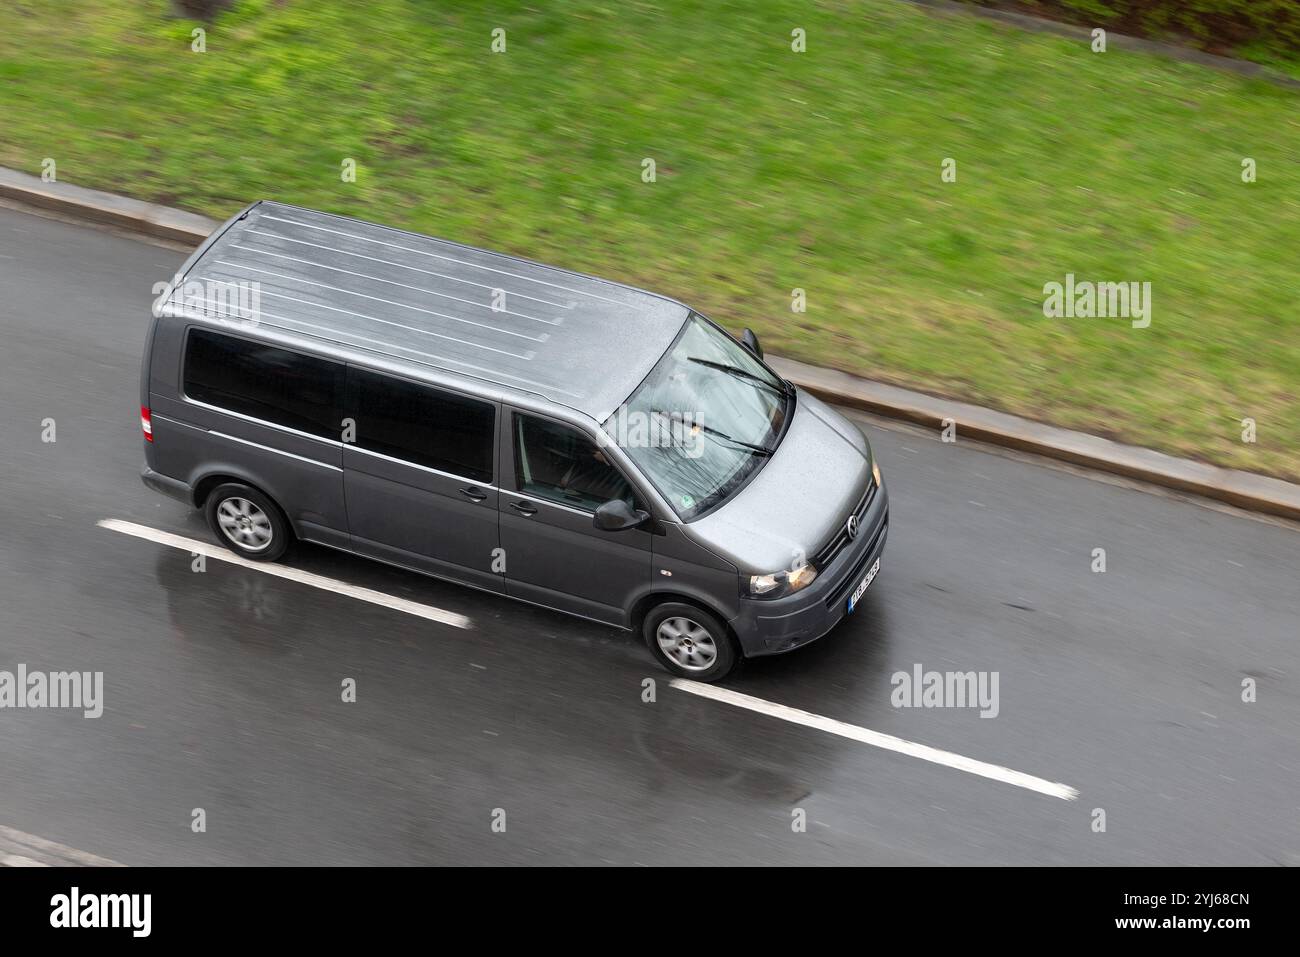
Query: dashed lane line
x=196, y=547
x=877, y=739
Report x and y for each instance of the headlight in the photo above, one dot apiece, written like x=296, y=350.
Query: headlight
x=875, y=471
x=801, y=577
x=780, y=584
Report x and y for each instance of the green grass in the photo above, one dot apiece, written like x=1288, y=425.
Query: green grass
x=776, y=170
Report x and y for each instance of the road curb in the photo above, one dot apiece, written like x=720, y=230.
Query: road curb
x=106, y=208
x=1120, y=41
x=1246, y=490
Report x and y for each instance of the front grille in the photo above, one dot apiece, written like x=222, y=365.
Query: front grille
x=854, y=577
x=840, y=540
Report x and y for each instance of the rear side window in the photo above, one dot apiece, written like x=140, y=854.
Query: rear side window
x=440, y=430
x=265, y=382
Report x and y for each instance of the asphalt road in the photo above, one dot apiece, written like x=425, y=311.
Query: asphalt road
x=222, y=689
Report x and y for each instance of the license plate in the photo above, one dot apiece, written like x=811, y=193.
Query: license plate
x=857, y=592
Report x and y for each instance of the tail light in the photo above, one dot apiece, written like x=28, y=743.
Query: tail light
x=146, y=423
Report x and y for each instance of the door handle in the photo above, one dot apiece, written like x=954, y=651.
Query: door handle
x=523, y=508
x=473, y=494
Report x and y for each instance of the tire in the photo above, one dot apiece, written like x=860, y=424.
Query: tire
x=247, y=522
x=696, y=644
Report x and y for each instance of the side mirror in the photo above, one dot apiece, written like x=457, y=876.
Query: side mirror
x=750, y=342
x=616, y=516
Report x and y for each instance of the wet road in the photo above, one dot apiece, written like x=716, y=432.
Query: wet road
x=222, y=688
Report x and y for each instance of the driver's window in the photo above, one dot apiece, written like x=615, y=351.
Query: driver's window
x=559, y=463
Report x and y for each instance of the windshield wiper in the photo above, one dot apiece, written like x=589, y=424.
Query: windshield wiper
x=782, y=391
x=749, y=446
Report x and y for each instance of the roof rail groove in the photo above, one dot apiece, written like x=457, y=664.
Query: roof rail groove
x=459, y=262
x=388, y=302
x=399, y=325
x=397, y=265
x=393, y=282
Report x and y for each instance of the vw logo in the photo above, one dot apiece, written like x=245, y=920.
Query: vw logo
x=851, y=526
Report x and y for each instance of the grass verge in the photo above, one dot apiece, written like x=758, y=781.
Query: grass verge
x=775, y=170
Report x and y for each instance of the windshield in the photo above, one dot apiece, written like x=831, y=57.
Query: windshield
x=704, y=420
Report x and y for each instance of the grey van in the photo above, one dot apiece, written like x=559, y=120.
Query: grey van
x=541, y=434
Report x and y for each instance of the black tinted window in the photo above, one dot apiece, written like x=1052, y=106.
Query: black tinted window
x=426, y=426
x=280, y=386
x=559, y=463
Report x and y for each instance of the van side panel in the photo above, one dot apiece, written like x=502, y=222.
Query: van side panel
x=421, y=519
x=193, y=442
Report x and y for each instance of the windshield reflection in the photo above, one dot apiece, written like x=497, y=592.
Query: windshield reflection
x=704, y=420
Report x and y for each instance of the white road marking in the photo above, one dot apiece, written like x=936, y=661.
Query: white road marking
x=785, y=713
x=879, y=740
x=20, y=849
x=194, y=546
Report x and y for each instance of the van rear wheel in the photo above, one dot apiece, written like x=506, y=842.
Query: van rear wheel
x=247, y=522
x=689, y=641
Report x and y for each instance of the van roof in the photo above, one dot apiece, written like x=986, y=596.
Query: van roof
x=422, y=303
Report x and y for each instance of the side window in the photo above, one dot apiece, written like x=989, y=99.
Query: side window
x=559, y=463
x=277, y=385
x=415, y=423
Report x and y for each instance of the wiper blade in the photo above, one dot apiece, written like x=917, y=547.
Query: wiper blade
x=782, y=391
x=749, y=446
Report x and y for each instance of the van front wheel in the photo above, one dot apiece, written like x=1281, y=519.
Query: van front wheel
x=247, y=522
x=689, y=641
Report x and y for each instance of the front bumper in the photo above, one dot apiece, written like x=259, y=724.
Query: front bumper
x=173, y=488
x=781, y=625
